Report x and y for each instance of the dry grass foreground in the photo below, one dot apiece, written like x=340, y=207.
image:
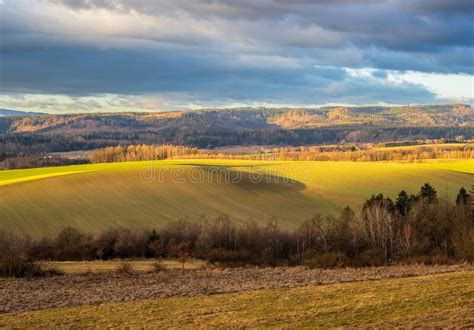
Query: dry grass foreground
x=433, y=300
x=17, y=295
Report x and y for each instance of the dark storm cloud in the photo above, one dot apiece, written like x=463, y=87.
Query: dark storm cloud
x=112, y=71
x=265, y=50
x=444, y=7
x=207, y=77
x=394, y=24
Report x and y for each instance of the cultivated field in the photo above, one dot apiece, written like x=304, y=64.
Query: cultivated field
x=255, y=298
x=148, y=194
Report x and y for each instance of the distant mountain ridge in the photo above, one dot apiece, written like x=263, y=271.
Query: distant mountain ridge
x=7, y=112
x=247, y=119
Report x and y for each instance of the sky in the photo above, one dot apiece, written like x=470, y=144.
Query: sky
x=63, y=56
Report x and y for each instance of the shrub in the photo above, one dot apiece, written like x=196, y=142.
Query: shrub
x=464, y=245
x=229, y=257
x=18, y=268
x=125, y=268
x=14, y=260
x=326, y=260
x=24, y=268
x=436, y=259
x=367, y=258
x=463, y=235
x=158, y=267
x=72, y=244
x=183, y=251
x=120, y=242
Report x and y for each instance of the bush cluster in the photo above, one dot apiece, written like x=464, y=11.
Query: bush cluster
x=15, y=260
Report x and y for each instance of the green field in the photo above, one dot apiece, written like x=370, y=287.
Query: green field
x=95, y=197
x=445, y=300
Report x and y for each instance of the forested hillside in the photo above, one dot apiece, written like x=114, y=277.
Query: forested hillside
x=242, y=126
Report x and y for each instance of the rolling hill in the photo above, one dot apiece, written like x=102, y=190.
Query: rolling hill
x=146, y=195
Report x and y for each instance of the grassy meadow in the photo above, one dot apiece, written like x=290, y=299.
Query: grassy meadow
x=444, y=300
x=149, y=194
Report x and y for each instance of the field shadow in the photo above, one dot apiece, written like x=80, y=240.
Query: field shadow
x=251, y=181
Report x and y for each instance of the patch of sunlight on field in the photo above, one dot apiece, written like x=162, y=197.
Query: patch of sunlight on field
x=22, y=175
x=466, y=166
x=445, y=300
x=36, y=177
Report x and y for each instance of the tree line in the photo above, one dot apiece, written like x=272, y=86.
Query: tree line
x=19, y=162
x=139, y=153
x=419, y=227
x=347, y=153
x=356, y=153
x=307, y=153
x=363, y=152
x=202, y=136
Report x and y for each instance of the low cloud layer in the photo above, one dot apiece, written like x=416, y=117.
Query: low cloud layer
x=206, y=52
